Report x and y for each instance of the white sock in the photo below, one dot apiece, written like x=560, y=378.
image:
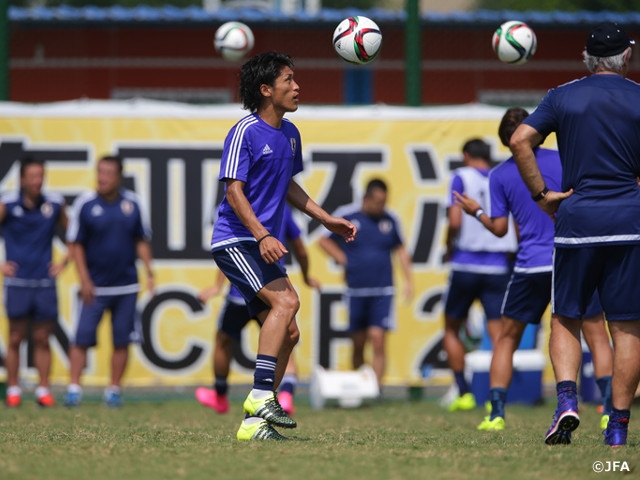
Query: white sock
x=112, y=389
x=261, y=394
x=74, y=388
x=14, y=390
x=41, y=391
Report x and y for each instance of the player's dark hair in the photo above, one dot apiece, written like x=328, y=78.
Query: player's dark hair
x=477, y=148
x=510, y=121
x=260, y=70
x=26, y=161
x=374, y=184
x=114, y=158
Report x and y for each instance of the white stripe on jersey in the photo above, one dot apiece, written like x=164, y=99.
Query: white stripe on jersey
x=74, y=225
x=629, y=238
x=235, y=146
x=244, y=267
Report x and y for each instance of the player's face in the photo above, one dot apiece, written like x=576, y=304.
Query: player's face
x=108, y=177
x=375, y=202
x=32, y=180
x=284, y=92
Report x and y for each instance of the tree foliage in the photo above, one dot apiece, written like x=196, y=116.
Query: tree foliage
x=564, y=5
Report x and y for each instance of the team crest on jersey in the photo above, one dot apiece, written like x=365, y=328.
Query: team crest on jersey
x=127, y=207
x=385, y=226
x=96, y=211
x=294, y=145
x=17, y=211
x=46, y=209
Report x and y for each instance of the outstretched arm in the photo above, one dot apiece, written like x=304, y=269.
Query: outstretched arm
x=499, y=226
x=299, y=199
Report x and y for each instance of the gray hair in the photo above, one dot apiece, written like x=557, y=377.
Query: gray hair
x=615, y=63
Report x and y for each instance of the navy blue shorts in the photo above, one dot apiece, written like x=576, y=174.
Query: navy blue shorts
x=611, y=270
x=233, y=318
x=466, y=287
x=39, y=304
x=375, y=311
x=527, y=296
x=123, y=311
x=245, y=268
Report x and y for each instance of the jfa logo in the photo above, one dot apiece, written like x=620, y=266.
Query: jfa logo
x=611, y=466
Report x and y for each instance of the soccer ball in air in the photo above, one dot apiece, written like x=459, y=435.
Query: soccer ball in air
x=233, y=40
x=357, y=40
x=514, y=42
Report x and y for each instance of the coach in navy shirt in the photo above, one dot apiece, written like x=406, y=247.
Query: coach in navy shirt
x=597, y=233
x=109, y=231
x=369, y=272
x=29, y=219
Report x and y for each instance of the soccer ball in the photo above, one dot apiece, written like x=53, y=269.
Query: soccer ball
x=514, y=42
x=233, y=40
x=357, y=40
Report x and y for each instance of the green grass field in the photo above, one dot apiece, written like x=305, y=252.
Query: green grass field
x=176, y=438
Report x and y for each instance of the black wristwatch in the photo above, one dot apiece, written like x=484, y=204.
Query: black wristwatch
x=541, y=195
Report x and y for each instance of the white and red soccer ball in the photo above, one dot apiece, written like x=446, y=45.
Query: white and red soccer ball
x=233, y=40
x=357, y=40
x=514, y=42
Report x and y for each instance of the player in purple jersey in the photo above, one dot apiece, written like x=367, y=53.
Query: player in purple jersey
x=29, y=218
x=232, y=320
x=109, y=231
x=261, y=155
x=529, y=290
x=597, y=211
x=479, y=266
x=369, y=273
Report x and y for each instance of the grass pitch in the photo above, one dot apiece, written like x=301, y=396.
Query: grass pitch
x=177, y=438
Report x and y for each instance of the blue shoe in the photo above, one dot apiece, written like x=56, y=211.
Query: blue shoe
x=615, y=435
x=112, y=399
x=72, y=399
x=565, y=421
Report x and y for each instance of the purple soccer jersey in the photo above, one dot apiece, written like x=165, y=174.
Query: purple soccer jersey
x=509, y=194
x=265, y=159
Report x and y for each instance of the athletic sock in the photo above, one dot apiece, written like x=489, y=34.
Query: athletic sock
x=567, y=387
x=289, y=383
x=14, y=390
x=463, y=386
x=41, y=391
x=498, y=397
x=221, y=386
x=604, y=385
x=264, y=376
x=620, y=417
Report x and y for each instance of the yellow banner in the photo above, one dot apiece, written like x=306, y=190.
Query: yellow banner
x=172, y=157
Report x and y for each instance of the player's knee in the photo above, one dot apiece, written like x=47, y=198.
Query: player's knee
x=288, y=303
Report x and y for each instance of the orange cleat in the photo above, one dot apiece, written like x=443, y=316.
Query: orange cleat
x=13, y=400
x=46, y=400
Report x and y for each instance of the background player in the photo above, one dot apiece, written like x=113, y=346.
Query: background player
x=233, y=318
x=479, y=265
x=29, y=219
x=529, y=291
x=108, y=231
x=369, y=273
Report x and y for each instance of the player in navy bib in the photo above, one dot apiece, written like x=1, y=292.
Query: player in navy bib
x=108, y=231
x=261, y=155
x=29, y=219
x=597, y=212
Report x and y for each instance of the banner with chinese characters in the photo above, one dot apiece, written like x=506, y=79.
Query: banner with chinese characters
x=172, y=154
